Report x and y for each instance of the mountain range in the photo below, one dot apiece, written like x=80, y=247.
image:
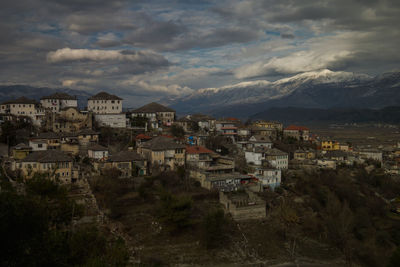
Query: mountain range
x=318, y=89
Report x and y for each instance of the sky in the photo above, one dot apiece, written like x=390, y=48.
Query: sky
x=147, y=50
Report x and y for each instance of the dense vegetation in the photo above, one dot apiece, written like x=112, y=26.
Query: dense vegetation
x=349, y=209
x=36, y=229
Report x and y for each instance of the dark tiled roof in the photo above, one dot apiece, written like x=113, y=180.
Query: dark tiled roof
x=104, y=96
x=270, y=151
x=275, y=152
x=261, y=139
x=152, y=108
x=22, y=146
x=63, y=96
x=97, y=147
x=88, y=132
x=126, y=156
x=20, y=100
x=184, y=119
x=47, y=135
x=162, y=143
x=47, y=156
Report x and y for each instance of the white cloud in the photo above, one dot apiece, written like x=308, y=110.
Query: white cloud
x=171, y=89
x=68, y=54
x=315, y=54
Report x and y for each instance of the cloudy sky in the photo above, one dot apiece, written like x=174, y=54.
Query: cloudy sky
x=147, y=50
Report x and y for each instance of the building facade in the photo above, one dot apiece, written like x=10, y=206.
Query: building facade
x=58, y=101
x=104, y=103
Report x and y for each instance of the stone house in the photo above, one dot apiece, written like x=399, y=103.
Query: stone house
x=104, y=103
x=130, y=163
x=58, y=101
x=243, y=205
x=97, y=152
x=55, y=164
x=297, y=132
x=24, y=107
x=53, y=140
x=164, y=152
x=268, y=177
x=156, y=114
x=68, y=120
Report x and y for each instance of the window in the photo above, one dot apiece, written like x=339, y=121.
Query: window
x=40, y=145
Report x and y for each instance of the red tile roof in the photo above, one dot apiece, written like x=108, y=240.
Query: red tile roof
x=297, y=128
x=142, y=136
x=197, y=150
x=232, y=119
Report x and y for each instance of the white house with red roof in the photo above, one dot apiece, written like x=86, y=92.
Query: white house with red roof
x=198, y=156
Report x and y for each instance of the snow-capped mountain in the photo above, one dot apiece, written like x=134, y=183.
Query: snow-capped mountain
x=302, y=86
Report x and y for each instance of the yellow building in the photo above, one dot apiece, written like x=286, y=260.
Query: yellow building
x=269, y=125
x=21, y=151
x=329, y=145
x=56, y=164
x=304, y=154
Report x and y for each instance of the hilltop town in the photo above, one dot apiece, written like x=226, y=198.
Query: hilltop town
x=122, y=165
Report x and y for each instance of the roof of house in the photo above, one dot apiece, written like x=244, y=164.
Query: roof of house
x=47, y=135
x=142, y=137
x=184, y=119
x=47, y=156
x=296, y=128
x=269, y=151
x=152, y=108
x=22, y=146
x=261, y=139
x=88, y=132
x=275, y=152
x=162, y=143
x=126, y=156
x=20, y=100
x=104, y=96
x=198, y=150
x=97, y=147
x=58, y=95
x=232, y=119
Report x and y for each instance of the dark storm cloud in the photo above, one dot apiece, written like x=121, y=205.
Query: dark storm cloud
x=162, y=47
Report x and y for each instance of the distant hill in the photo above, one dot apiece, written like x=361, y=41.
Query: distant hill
x=319, y=89
x=292, y=115
x=8, y=92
